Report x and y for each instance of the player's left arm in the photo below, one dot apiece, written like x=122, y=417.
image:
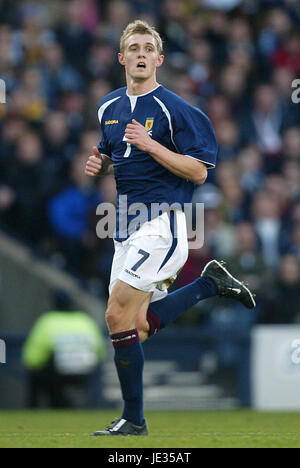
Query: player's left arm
x=179, y=164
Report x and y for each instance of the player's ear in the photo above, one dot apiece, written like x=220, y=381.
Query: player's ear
x=121, y=59
x=160, y=60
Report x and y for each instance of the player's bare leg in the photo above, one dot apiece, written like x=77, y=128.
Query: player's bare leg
x=124, y=304
x=142, y=324
x=123, y=307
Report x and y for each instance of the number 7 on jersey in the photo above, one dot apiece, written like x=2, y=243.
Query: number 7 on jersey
x=128, y=149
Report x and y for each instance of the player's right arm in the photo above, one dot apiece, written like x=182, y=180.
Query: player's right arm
x=98, y=164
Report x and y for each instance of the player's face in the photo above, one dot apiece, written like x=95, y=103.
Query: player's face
x=141, y=57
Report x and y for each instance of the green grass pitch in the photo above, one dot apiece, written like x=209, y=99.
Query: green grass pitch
x=215, y=429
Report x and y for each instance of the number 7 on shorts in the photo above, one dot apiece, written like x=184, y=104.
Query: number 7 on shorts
x=145, y=255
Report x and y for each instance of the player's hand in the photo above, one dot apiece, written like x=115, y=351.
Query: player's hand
x=137, y=135
x=94, y=164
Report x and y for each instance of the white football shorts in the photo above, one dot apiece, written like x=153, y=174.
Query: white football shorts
x=151, y=258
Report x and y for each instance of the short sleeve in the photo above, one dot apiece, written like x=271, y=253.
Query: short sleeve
x=194, y=136
x=104, y=147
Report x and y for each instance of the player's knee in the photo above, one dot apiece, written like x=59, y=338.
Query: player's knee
x=143, y=335
x=142, y=327
x=113, y=316
x=119, y=317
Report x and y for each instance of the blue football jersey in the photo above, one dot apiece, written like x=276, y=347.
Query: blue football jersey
x=172, y=122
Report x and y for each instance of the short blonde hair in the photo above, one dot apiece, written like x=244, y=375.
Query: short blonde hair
x=141, y=27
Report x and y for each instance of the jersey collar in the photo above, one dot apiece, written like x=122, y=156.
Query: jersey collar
x=141, y=95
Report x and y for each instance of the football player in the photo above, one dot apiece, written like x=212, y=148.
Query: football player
x=159, y=147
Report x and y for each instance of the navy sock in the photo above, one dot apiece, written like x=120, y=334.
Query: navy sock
x=129, y=360
x=165, y=311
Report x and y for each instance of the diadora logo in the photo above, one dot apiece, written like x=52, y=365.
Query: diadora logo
x=111, y=122
x=132, y=274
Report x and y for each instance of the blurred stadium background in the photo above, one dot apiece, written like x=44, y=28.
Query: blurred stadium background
x=236, y=60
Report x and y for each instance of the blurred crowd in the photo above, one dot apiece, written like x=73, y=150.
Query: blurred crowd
x=235, y=59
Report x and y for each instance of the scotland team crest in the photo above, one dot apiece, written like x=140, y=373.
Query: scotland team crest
x=149, y=124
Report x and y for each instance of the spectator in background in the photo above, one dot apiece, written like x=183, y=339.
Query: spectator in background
x=295, y=212
x=291, y=143
x=90, y=15
x=247, y=261
x=70, y=212
x=26, y=177
x=264, y=123
x=118, y=14
x=172, y=26
x=101, y=60
x=97, y=90
x=73, y=104
x=232, y=206
x=239, y=36
x=288, y=55
x=57, y=75
x=282, y=80
x=233, y=85
x=280, y=304
x=32, y=87
x=228, y=138
x=278, y=191
x=183, y=86
x=251, y=170
x=295, y=241
x=12, y=130
x=267, y=223
x=60, y=149
x=200, y=68
x=10, y=55
x=88, y=138
x=73, y=34
x=57, y=142
x=62, y=352
x=290, y=235
x=35, y=32
x=275, y=27
x=218, y=108
x=291, y=174
x=218, y=233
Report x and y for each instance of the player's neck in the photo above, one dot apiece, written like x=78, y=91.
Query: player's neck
x=135, y=88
